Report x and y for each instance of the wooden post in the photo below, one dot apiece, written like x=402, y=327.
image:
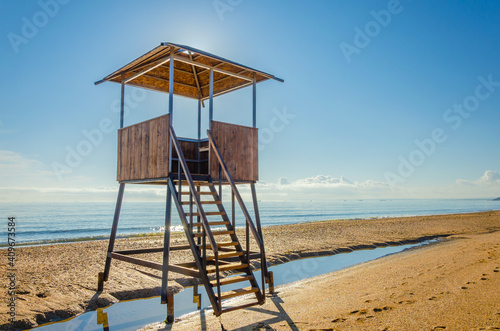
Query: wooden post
x=170, y=307
x=166, y=247
x=196, y=296
x=270, y=281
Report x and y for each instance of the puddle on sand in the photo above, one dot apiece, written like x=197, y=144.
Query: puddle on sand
x=134, y=314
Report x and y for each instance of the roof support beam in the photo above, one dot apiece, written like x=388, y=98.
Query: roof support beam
x=195, y=76
x=231, y=89
x=142, y=72
x=206, y=66
x=211, y=101
x=122, y=104
x=171, y=87
x=222, y=79
x=254, y=101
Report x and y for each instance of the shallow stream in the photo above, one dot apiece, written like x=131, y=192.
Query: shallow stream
x=134, y=314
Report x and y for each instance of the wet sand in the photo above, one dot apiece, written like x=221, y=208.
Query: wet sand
x=60, y=281
x=453, y=285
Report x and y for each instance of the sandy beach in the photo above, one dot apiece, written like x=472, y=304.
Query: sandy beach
x=422, y=289
x=453, y=285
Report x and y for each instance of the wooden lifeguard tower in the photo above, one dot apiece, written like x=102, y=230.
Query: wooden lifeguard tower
x=194, y=172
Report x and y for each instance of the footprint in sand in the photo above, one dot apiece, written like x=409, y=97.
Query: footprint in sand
x=433, y=298
x=406, y=302
x=439, y=328
x=339, y=320
x=361, y=312
x=378, y=310
x=464, y=288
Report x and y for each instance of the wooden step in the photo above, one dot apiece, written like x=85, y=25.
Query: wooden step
x=184, y=182
x=216, y=233
x=247, y=305
x=232, y=280
x=225, y=256
x=222, y=244
x=227, y=267
x=199, y=193
x=211, y=223
x=211, y=202
x=238, y=292
x=204, y=149
x=207, y=213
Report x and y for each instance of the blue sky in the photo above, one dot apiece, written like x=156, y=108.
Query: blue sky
x=382, y=99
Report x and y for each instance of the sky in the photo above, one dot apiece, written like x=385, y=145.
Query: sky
x=381, y=99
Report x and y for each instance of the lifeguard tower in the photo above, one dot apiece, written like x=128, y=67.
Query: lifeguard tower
x=194, y=172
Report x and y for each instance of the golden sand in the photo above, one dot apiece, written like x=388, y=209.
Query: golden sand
x=60, y=281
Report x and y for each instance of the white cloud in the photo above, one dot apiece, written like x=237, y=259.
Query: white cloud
x=15, y=168
x=489, y=177
x=322, y=187
x=283, y=181
x=64, y=194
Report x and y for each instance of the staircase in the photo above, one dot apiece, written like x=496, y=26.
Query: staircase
x=211, y=234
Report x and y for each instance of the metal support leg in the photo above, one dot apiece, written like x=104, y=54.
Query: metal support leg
x=166, y=249
x=265, y=274
x=104, y=276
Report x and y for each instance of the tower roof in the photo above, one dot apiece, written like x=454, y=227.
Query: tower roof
x=191, y=72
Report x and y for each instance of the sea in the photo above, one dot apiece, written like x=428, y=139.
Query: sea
x=48, y=223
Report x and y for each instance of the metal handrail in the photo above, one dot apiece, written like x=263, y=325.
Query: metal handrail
x=192, y=188
x=248, y=219
x=197, y=201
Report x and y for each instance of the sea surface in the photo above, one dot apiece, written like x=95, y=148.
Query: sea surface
x=42, y=223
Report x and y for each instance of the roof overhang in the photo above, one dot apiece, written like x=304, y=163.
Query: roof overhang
x=191, y=72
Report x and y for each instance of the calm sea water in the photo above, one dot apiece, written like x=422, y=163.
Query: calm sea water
x=60, y=222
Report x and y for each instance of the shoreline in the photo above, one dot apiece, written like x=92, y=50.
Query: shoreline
x=47, y=242
x=59, y=281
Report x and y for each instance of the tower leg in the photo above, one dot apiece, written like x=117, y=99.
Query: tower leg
x=265, y=273
x=166, y=251
x=104, y=276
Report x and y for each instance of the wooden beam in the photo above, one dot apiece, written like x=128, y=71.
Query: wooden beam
x=195, y=76
x=166, y=80
x=223, y=79
x=155, y=265
x=214, y=68
x=230, y=90
x=142, y=72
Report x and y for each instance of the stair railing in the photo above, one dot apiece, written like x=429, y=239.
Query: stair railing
x=193, y=195
x=249, y=222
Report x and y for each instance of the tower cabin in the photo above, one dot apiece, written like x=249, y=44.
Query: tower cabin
x=195, y=171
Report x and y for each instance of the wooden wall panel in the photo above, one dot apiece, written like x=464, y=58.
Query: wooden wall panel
x=239, y=148
x=143, y=150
